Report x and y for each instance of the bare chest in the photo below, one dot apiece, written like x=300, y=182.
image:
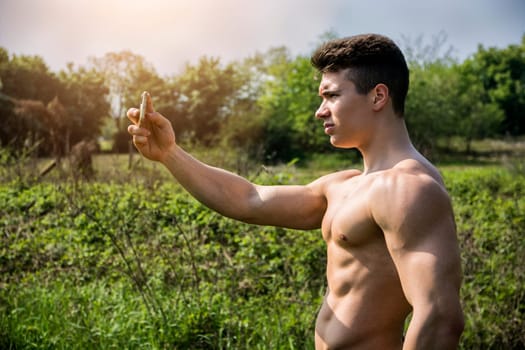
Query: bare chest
x=348, y=221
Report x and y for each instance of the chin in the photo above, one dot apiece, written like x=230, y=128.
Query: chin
x=340, y=143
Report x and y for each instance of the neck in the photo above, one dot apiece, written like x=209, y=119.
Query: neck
x=388, y=146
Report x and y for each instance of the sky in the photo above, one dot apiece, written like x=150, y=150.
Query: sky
x=171, y=33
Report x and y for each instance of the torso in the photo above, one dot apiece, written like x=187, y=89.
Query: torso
x=364, y=307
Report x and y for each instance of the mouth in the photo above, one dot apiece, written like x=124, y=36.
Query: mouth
x=328, y=128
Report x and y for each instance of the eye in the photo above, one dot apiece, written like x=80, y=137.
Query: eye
x=330, y=95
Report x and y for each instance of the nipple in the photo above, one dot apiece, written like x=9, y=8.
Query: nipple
x=342, y=237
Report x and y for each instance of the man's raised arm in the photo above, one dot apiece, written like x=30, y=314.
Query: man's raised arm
x=300, y=207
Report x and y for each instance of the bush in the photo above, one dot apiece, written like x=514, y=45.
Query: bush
x=141, y=265
x=490, y=212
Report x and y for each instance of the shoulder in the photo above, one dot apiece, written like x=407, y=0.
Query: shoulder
x=410, y=180
x=403, y=197
x=406, y=184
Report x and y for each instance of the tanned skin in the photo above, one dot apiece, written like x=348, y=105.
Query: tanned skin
x=389, y=229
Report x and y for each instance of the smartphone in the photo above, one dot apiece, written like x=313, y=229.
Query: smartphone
x=143, y=107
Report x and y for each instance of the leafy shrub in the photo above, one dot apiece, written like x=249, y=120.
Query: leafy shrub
x=490, y=213
x=141, y=265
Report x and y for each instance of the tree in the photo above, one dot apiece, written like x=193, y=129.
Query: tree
x=8, y=130
x=27, y=86
x=29, y=126
x=443, y=101
x=502, y=75
x=206, y=98
x=242, y=131
x=27, y=77
x=83, y=94
x=476, y=115
x=446, y=98
x=126, y=75
x=58, y=124
x=430, y=108
x=288, y=104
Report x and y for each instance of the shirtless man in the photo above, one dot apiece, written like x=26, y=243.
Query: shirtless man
x=389, y=229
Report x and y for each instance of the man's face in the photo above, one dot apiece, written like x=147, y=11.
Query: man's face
x=346, y=113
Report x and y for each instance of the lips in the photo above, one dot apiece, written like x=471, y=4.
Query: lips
x=328, y=127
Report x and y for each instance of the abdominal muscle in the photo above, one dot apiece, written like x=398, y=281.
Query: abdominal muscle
x=364, y=307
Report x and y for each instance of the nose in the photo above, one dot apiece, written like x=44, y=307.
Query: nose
x=322, y=112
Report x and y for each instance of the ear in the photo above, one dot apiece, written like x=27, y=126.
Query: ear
x=379, y=96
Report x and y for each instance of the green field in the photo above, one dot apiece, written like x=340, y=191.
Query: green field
x=128, y=260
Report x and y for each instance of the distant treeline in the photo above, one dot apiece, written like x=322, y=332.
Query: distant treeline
x=263, y=105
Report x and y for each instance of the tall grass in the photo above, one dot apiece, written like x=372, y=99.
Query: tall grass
x=139, y=265
x=136, y=263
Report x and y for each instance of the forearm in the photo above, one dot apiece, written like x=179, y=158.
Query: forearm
x=218, y=189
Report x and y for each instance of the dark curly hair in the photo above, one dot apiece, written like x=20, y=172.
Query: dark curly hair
x=371, y=59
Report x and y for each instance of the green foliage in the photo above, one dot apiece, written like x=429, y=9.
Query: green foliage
x=490, y=209
x=288, y=104
x=27, y=77
x=48, y=111
x=141, y=265
x=242, y=132
x=476, y=118
x=261, y=107
x=83, y=94
x=26, y=85
x=7, y=112
x=128, y=265
x=126, y=75
x=502, y=75
x=430, y=108
x=207, y=91
x=445, y=100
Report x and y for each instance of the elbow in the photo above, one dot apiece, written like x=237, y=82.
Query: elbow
x=459, y=325
x=239, y=214
x=449, y=325
x=440, y=327
x=453, y=317
x=452, y=327
x=248, y=219
x=247, y=215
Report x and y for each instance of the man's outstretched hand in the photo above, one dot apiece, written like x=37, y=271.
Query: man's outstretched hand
x=154, y=138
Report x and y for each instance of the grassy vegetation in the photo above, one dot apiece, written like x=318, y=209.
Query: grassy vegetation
x=128, y=260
